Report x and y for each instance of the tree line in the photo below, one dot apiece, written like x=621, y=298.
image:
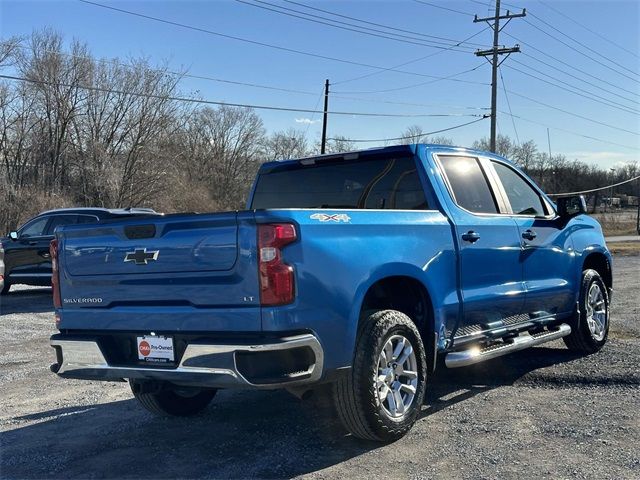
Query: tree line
x=112, y=133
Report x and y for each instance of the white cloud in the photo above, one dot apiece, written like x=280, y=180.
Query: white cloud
x=306, y=121
x=604, y=159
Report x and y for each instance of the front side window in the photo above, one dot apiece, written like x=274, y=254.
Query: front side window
x=35, y=228
x=379, y=183
x=523, y=198
x=470, y=188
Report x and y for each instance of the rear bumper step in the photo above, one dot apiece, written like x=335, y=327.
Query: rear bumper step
x=203, y=365
x=476, y=355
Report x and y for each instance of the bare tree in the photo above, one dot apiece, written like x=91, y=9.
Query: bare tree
x=338, y=144
x=8, y=49
x=286, y=144
x=413, y=134
x=504, y=145
x=224, y=148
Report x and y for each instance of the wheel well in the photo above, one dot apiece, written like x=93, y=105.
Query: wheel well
x=599, y=263
x=406, y=295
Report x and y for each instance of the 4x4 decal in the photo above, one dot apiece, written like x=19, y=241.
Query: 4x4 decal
x=331, y=217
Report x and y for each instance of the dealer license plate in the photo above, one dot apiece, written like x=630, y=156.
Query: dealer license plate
x=153, y=348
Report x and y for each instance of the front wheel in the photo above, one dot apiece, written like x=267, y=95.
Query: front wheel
x=382, y=395
x=590, y=329
x=173, y=401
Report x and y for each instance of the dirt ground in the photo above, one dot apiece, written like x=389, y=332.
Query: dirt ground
x=539, y=413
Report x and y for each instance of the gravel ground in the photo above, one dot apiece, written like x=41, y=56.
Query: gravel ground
x=539, y=413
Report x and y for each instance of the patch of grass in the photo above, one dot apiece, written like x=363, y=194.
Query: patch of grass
x=621, y=222
x=624, y=248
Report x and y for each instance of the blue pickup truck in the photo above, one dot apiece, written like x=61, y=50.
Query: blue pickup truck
x=358, y=271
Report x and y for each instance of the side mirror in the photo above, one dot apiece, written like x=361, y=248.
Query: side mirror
x=571, y=206
x=13, y=236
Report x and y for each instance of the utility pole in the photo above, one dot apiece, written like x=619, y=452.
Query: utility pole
x=495, y=52
x=323, y=144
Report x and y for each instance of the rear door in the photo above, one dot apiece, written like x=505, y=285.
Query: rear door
x=547, y=252
x=489, y=245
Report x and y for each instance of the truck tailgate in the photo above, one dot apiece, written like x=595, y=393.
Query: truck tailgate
x=187, y=272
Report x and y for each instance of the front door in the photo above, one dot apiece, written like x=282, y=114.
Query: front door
x=547, y=252
x=24, y=256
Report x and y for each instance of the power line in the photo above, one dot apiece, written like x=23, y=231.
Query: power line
x=412, y=136
x=595, y=189
x=406, y=87
x=444, y=8
x=582, y=44
x=381, y=25
x=587, y=56
x=513, y=121
x=607, y=102
x=564, y=63
x=254, y=85
x=608, y=142
x=313, y=115
x=588, y=29
x=229, y=104
x=255, y=42
x=485, y=4
x=573, y=114
x=407, y=103
x=576, y=77
x=405, y=63
x=364, y=30
x=172, y=72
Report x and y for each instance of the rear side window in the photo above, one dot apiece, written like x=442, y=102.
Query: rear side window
x=470, y=187
x=87, y=219
x=382, y=183
x=60, y=220
x=523, y=198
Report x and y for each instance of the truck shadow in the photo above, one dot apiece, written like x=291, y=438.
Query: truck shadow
x=28, y=300
x=245, y=434
x=450, y=386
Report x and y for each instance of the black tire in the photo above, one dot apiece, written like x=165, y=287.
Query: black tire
x=173, y=402
x=5, y=288
x=582, y=339
x=356, y=396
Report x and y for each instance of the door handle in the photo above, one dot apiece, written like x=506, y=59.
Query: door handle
x=471, y=236
x=529, y=235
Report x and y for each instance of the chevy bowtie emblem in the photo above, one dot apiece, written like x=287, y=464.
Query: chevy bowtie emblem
x=141, y=257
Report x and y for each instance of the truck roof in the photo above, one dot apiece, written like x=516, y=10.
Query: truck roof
x=100, y=210
x=391, y=150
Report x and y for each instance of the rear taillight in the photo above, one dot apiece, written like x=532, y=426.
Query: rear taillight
x=276, y=277
x=55, y=275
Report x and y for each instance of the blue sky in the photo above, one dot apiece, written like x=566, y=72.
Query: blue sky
x=112, y=34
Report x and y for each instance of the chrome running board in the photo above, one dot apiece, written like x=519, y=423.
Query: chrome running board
x=476, y=355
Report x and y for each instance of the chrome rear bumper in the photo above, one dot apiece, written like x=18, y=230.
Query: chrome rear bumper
x=203, y=365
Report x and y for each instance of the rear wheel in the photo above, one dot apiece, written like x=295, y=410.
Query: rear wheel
x=381, y=397
x=174, y=401
x=590, y=329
